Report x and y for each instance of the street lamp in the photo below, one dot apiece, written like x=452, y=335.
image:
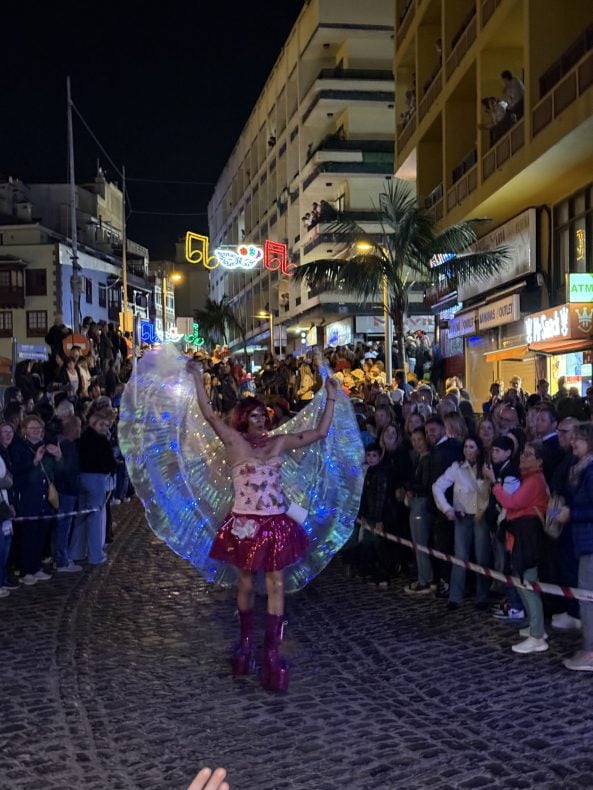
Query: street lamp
x=270, y=316
x=174, y=277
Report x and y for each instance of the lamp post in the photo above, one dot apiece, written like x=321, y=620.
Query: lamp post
x=174, y=277
x=364, y=247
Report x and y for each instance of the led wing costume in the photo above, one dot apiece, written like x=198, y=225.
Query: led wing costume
x=180, y=472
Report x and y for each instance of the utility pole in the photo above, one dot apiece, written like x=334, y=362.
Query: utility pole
x=164, y=298
x=127, y=324
x=76, y=278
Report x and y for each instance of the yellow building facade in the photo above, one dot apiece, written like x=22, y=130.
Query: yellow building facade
x=528, y=169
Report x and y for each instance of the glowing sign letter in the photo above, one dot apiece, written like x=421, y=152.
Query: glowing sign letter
x=196, y=250
x=276, y=257
x=195, y=339
x=147, y=333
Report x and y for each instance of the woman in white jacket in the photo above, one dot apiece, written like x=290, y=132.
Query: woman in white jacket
x=470, y=500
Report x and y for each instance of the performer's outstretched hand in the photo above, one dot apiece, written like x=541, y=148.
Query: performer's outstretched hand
x=210, y=780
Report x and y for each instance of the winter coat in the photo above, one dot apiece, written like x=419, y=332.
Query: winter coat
x=581, y=513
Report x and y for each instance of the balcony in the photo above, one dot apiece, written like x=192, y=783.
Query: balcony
x=578, y=80
x=461, y=43
x=463, y=187
x=352, y=75
x=330, y=102
x=405, y=21
x=432, y=91
x=406, y=132
x=434, y=202
x=577, y=50
x=488, y=9
x=12, y=296
x=504, y=149
x=350, y=165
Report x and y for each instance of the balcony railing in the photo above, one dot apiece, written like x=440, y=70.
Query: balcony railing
x=569, y=58
x=431, y=94
x=488, y=8
x=466, y=39
x=462, y=188
x=574, y=84
x=406, y=133
x=355, y=74
x=405, y=21
x=504, y=149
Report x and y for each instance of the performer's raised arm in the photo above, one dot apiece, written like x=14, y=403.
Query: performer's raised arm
x=220, y=427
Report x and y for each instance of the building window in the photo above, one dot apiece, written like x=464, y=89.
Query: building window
x=573, y=239
x=88, y=287
x=5, y=279
x=36, y=282
x=36, y=323
x=102, y=295
x=5, y=323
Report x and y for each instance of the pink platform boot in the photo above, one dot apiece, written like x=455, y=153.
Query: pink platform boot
x=275, y=670
x=243, y=654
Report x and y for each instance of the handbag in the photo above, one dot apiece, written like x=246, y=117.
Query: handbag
x=53, y=496
x=553, y=528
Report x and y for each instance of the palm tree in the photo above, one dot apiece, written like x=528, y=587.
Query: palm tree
x=215, y=318
x=411, y=248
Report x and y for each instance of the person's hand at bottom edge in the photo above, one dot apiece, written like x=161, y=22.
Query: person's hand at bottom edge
x=207, y=779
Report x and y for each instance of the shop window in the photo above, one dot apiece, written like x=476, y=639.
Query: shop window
x=36, y=323
x=36, y=282
x=6, y=323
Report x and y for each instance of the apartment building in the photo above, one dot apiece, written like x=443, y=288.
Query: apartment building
x=529, y=171
x=321, y=136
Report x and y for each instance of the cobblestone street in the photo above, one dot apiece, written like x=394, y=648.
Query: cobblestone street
x=120, y=678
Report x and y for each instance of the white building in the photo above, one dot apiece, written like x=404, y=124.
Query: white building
x=321, y=130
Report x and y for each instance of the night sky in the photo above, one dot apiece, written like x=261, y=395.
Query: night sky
x=166, y=92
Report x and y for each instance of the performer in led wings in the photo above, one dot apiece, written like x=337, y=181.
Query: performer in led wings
x=194, y=473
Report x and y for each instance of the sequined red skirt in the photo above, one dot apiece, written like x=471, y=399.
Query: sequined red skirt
x=259, y=543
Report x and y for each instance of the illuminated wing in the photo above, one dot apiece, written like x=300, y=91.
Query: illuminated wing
x=175, y=460
x=179, y=470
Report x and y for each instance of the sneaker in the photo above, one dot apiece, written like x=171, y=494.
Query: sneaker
x=28, y=579
x=415, y=588
x=42, y=576
x=115, y=501
x=72, y=567
x=126, y=500
x=509, y=614
x=565, y=622
x=580, y=662
x=442, y=590
x=531, y=645
x=4, y=593
x=10, y=585
x=526, y=632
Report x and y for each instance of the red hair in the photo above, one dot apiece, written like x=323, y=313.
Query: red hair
x=240, y=414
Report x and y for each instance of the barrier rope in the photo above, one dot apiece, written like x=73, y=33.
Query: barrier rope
x=55, y=515
x=512, y=581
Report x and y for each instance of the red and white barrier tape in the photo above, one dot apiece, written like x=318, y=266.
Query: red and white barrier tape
x=55, y=515
x=513, y=581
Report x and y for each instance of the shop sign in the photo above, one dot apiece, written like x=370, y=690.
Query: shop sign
x=519, y=235
x=580, y=287
x=503, y=311
x=566, y=322
x=370, y=324
x=463, y=325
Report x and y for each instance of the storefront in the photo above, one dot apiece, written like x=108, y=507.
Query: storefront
x=563, y=337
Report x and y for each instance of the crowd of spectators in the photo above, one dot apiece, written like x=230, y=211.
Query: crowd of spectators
x=509, y=484
x=59, y=455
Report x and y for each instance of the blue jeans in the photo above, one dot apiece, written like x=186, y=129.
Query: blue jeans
x=420, y=527
x=502, y=563
x=469, y=534
x=532, y=603
x=5, y=541
x=88, y=535
x=121, y=482
x=586, y=583
x=63, y=527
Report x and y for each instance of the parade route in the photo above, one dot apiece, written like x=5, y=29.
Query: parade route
x=119, y=678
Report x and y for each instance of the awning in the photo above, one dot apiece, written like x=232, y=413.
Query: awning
x=512, y=352
x=562, y=346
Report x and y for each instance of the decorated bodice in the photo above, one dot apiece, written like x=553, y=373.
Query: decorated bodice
x=257, y=487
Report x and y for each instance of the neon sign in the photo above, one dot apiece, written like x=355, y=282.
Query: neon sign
x=148, y=335
x=274, y=255
x=195, y=339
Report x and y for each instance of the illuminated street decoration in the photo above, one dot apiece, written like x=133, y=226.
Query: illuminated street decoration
x=148, y=333
x=274, y=255
x=194, y=339
x=173, y=335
